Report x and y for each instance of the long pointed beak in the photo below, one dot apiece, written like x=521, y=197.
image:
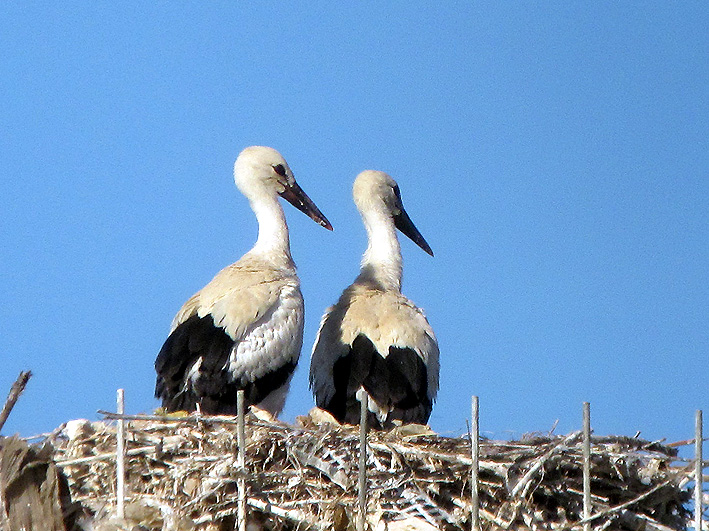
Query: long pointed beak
x=403, y=222
x=295, y=195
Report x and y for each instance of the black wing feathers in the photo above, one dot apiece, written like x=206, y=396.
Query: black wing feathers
x=196, y=338
x=213, y=386
x=398, y=381
x=408, y=379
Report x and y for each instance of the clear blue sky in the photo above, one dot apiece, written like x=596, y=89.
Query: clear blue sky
x=555, y=155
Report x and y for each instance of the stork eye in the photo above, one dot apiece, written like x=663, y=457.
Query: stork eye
x=280, y=169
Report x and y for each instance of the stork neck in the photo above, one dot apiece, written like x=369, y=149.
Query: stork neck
x=381, y=262
x=273, y=241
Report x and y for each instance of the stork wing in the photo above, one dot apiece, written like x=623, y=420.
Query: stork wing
x=199, y=359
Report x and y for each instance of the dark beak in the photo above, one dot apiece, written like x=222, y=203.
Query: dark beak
x=295, y=195
x=403, y=222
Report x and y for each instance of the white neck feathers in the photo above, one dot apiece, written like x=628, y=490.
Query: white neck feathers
x=381, y=262
x=273, y=242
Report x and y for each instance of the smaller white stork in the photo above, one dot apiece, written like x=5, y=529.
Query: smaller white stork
x=374, y=340
x=243, y=330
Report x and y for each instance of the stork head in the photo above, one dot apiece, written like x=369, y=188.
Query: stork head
x=262, y=171
x=376, y=193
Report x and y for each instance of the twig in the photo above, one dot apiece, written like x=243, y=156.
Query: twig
x=15, y=392
x=191, y=419
x=553, y=428
x=685, y=442
x=146, y=450
x=303, y=521
x=457, y=459
x=201, y=420
x=618, y=508
x=649, y=524
x=499, y=522
x=523, y=484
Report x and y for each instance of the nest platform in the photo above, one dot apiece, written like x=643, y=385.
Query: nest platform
x=183, y=474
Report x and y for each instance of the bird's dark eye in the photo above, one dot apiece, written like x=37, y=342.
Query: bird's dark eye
x=397, y=192
x=280, y=169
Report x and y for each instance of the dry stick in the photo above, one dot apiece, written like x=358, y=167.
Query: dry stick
x=647, y=522
x=475, y=456
x=13, y=395
x=618, y=508
x=302, y=520
x=199, y=420
x=698, y=471
x=120, y=457
x=686, y=442
x=525, y=483
x=241, y=441
x=145, y=450
x=191, y=419
x=499, y=522
x=362, y=495
x=587, y=464
x=526, y=479
x=413, y=452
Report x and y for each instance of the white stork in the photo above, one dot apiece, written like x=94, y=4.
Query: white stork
x=374, y=340
x=243, y=330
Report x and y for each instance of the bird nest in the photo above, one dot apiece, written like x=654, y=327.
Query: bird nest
x=184, y=474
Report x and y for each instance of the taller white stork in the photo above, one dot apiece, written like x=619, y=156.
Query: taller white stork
x=374, y=340
x=243, y=330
